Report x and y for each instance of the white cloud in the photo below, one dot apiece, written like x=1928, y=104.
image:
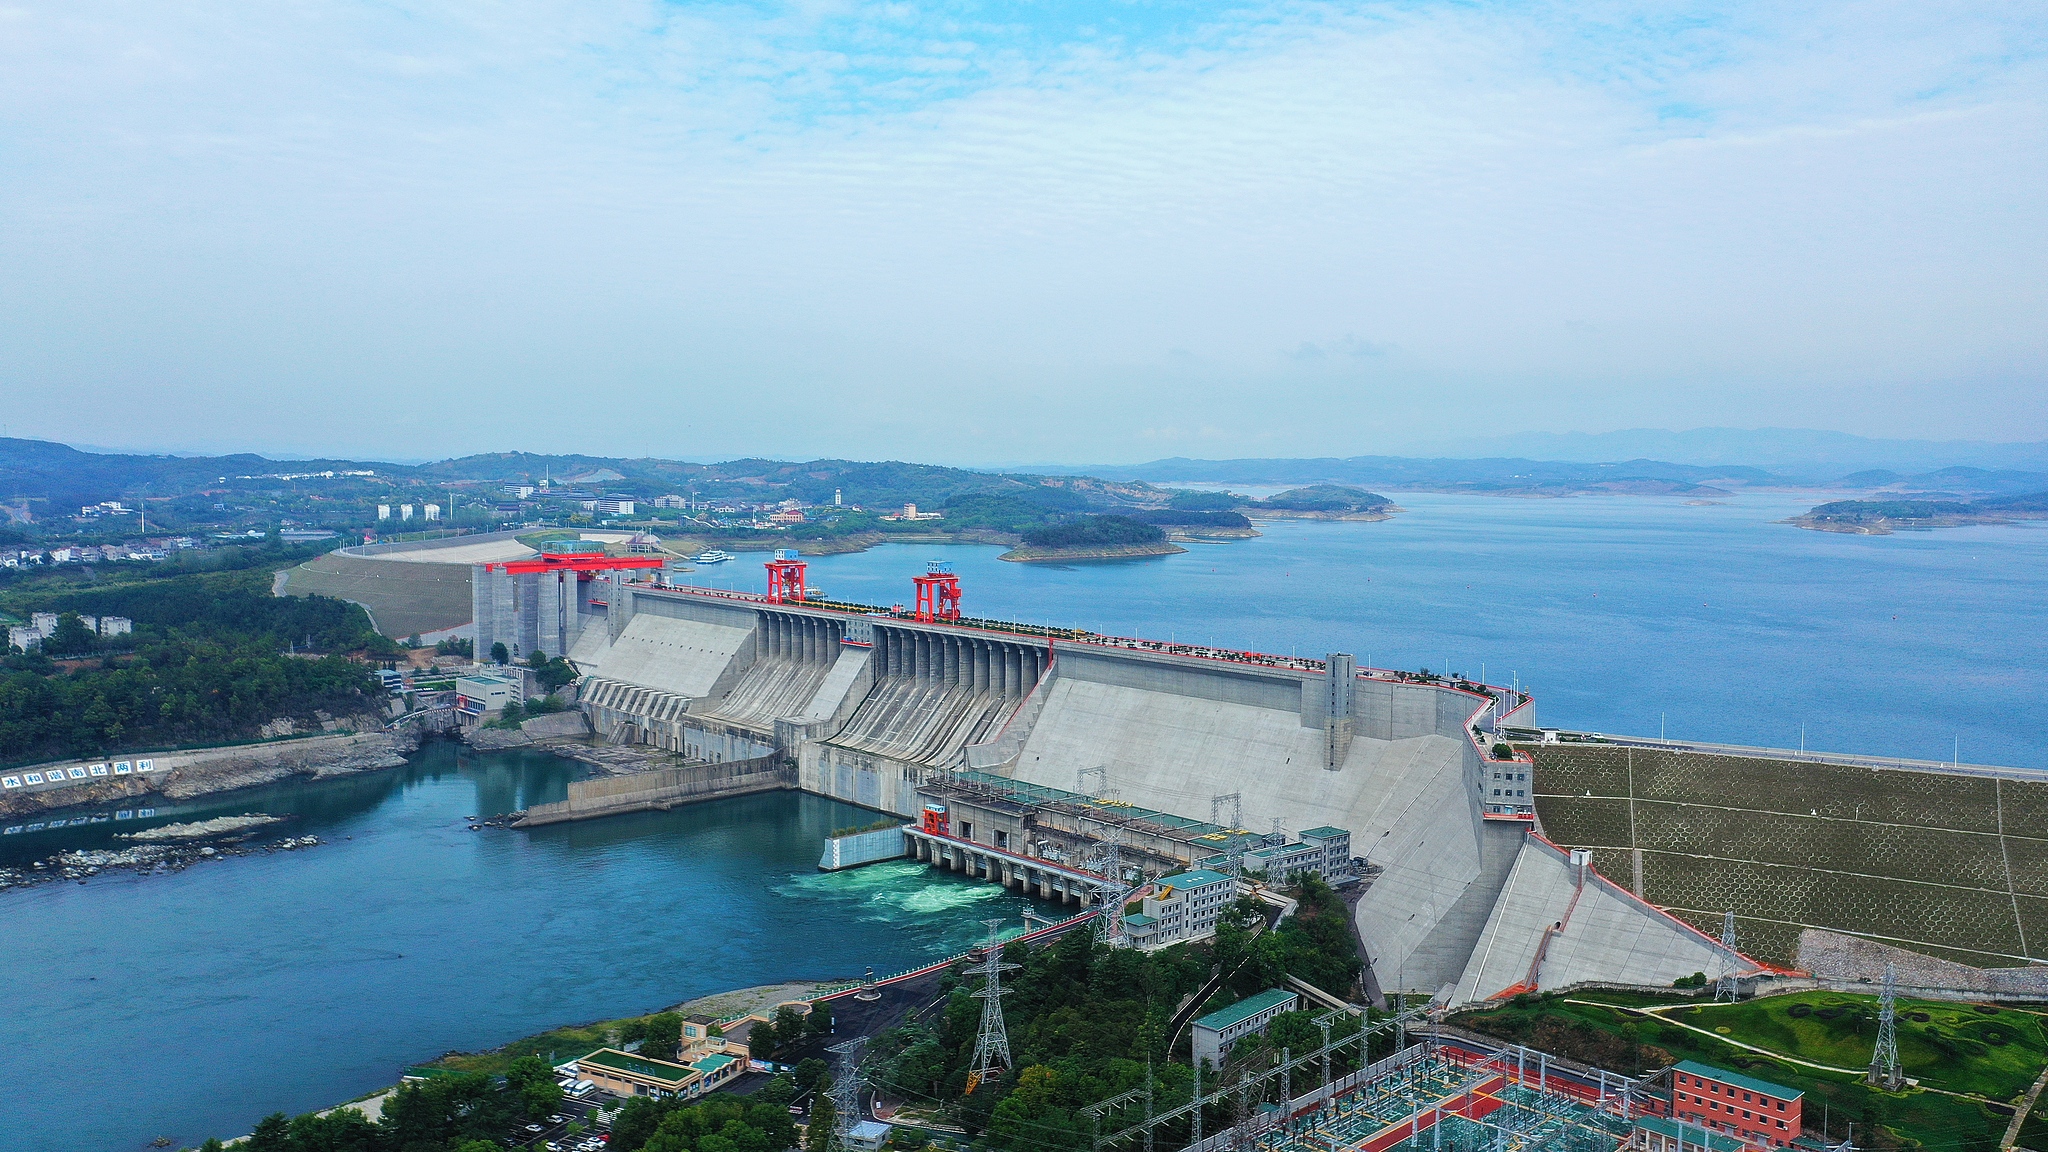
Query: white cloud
x=917, y=222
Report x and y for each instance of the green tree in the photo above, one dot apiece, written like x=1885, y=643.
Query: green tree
x=273, y=1134
x=818, y=1135
x=789, y=1026
x=664, y=1035
x=213, y=1144
x=499, y=653
x=533, y=1081
x=813, y=1074
x=70, y=637
x=819, y=1022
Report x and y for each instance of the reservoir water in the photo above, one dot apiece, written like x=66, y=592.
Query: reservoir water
x=193, y=1003
x=1620, y=613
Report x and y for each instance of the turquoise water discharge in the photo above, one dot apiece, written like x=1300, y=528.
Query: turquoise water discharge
x=190, y=1004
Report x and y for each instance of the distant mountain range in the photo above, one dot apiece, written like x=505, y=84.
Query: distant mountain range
x=1805, y=454
x=1500, y=476
x=64, y=475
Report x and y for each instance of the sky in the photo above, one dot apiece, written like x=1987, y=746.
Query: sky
x=1051, y=232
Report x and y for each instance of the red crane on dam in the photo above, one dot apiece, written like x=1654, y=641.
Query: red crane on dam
x=938, y=593
x=786, y=578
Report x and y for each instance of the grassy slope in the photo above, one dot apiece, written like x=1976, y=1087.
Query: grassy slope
x=1958, y=1048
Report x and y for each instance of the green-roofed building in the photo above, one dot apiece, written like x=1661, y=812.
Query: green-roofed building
x=1185, y=906
x=1657, y=1134
x=1758, y=1112
x=624, y=1074
x=1215, y=1033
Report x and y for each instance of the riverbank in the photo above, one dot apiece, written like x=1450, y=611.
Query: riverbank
x=571, y=1040
x=197, y=772
x=688, y=546
x=1372, y=516
x=1887, y=525
x=1027, y=554
x=154, y=859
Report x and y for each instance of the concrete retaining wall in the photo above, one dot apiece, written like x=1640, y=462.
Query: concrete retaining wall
x=663, y=789
x=862, y=848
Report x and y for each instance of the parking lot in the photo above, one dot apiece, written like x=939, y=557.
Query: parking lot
x=553, y=1133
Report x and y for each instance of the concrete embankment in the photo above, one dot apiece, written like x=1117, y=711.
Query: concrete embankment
x=857, y=848
x=664, y=788
x=203, y=771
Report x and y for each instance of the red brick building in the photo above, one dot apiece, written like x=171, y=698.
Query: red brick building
x=1754, y=1111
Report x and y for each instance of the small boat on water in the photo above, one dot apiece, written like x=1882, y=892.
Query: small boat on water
x=715, y=556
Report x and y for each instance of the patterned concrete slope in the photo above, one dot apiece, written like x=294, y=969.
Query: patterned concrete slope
x=591, y=643
x=922, y=721
x=1406, y=802
x=685, y=657
x=1550, y=930
x=401, y=598
x=772, y=690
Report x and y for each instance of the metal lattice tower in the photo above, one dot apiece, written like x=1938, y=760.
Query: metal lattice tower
x=1109, y=862
x=1884, y=1059
x=1726, y=987
x=1231, y=802
x=845, y=1092
x=992, y=1047
x=1099, y=774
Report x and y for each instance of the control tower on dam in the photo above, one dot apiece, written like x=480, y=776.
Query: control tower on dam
x=1463, y=898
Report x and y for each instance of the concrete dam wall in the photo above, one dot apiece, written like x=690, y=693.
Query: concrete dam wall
x=870, y=707
x=663, y=788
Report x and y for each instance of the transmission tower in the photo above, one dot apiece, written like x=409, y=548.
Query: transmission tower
x=845, y=1092
x=1725, y=988
x=1111, y=890
x=1884, y=1059
x=992, y=1047
x=1231, y=802
x=1099, y=774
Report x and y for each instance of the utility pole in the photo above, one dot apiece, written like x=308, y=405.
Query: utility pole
x=992, y=1047
x=1884, y=1059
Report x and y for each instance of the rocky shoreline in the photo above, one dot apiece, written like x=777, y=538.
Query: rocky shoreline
x=1886, y=526
x=1026, y=554
x=153, y=859
x=205, y=771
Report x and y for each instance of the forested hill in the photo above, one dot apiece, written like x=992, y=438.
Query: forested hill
x=210, y=661
x=67, y=478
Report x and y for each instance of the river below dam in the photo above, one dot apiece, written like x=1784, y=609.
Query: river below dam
x=190, y=1004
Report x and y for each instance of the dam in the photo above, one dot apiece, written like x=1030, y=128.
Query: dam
x=889, y=708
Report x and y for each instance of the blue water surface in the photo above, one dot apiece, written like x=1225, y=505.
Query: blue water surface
x=191, y=1004
x=1623, y=614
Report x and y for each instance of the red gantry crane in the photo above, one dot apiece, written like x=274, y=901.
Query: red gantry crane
x=786, y=578
x=938, y=593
